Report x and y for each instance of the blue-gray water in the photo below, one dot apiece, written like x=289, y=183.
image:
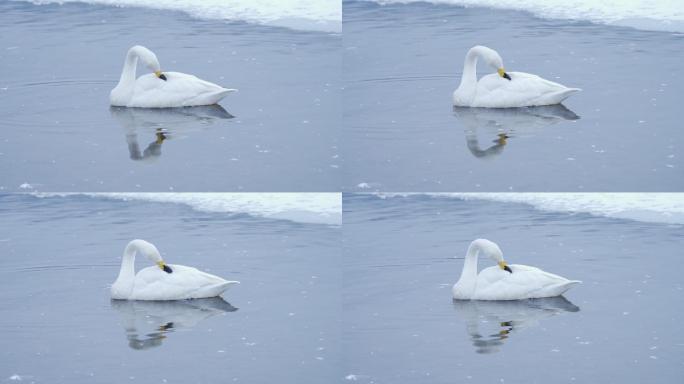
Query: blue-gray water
x=403, y=254
x=58, y=325
x=59, y=62
x=402, y=63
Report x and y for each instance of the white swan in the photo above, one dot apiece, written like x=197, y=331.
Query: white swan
x=505, y=282
x=161, y=90
x=164, y=282
x=505, y=89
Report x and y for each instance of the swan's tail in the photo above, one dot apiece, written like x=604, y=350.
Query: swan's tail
x=217, y=96
x=209, y=98
x=212, y=290
x=564, y=94
x=556, y=97
x=561, y=288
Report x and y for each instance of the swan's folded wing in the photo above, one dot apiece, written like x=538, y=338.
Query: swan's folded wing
x=178, y=90
x=185, y=282
x=523, y=90
x=525, y=282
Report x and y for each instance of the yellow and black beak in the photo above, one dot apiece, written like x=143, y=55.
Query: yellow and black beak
x=503, y=74
x=164, y=267
x=504, y=266
x=160, y=75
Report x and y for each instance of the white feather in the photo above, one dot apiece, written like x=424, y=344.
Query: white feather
x=494, y=91
x=493, y=283
x=150, y=91
x=152, y=283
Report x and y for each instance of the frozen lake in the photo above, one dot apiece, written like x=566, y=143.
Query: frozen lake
x=403, y=254
x=402, y=63
x=60, y=254
x=59, y=62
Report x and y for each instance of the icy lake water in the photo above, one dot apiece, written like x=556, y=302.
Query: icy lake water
x=59, y=62
x=402, y=63
x=403, y=254
x=58, y=325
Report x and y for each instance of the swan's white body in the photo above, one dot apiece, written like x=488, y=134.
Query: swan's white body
x=494, y=91
x=151, y=91
x=494, y=283
x=153, y=283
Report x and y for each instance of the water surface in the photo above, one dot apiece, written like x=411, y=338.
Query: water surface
x=59, y=63
x=402, y=63
x=403, y=254
x=58, y=324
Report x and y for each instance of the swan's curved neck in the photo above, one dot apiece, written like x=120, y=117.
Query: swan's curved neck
x=470, y=265
x=127, y=270
x=469, y=77
x=466, y=284
x=129, y=69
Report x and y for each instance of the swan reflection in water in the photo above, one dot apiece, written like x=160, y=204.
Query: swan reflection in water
x=504, y=123
x=147, y=322
x=160, y=123
x=500, y=319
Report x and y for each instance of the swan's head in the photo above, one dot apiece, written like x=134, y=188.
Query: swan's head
x=149, y=59
x=492, y=58
x=151, y=252
x=492, y=250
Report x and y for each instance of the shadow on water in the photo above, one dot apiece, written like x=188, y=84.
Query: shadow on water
x=490, y=323
x=162, y=122
x=504, y=123
x=147, y=322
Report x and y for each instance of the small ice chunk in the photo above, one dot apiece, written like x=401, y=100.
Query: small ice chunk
x=351, y=377
x=364, y=185
x=15, y=377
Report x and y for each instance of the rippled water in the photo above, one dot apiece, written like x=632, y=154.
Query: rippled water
x=59, y=63
x=402, y=63
x=58, y=325
x=403, y=254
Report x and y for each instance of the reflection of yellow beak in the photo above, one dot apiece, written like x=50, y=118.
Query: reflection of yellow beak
x=160, y=138
x=502, y=139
